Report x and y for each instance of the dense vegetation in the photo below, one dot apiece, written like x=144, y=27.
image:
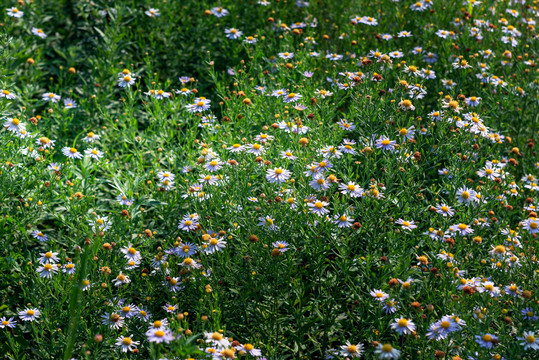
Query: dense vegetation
x=272, y=179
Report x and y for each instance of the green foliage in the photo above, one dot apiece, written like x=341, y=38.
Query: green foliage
x=309, y=297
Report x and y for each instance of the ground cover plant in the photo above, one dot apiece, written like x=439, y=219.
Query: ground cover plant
x=259, y=179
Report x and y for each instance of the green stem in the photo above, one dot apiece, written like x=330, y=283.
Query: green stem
x=75, y=304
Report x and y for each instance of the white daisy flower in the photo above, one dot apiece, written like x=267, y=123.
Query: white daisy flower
x=126, y=343
x=387, y=351
x=29, y=314
x=71, y=153
x=93, y=153
x=277, y=175
x=403, y=326
x=153, y=12
x=52, y=97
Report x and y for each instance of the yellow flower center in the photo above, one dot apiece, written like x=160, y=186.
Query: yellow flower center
x=445, y=324
x=30, y=312
x=15, y=121
x=127, y=78
x=406, y=103
x=487, y=338
x=159, y=333
x=403, y=131
x=291, y=95
x=214, y=242
x=48, y=267
x=403, y=322
x=387, y=348
x=318, y=205
x=463, y=226
x=217, y=336
x=186, y=248
x=500, y=249
x=73, y=150
x=127, y=341
x=228, y=353
x=386, y=142
x=530, y=339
